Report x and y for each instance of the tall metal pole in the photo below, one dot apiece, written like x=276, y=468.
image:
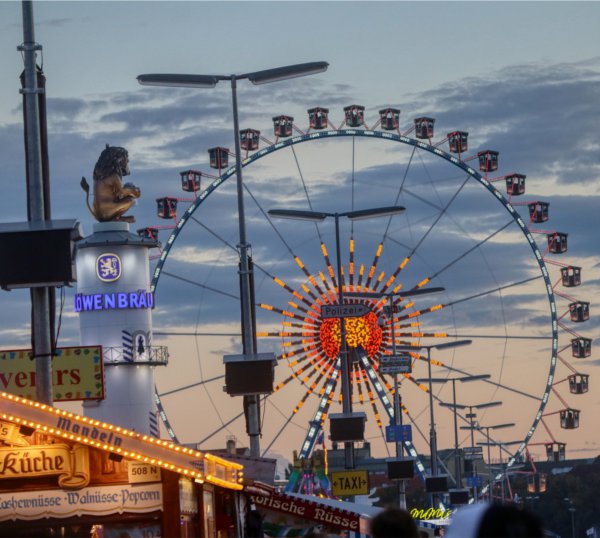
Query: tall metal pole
x=487, y=434
x=345, y=367
x=432, y=434
x=41, y=334
x=472, y=428
x=246, y=302
x=503, y=470
x=457, y=470
x=572, y=510
x=397, y=411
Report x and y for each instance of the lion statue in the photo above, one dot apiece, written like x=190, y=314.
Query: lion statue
x=112, y=198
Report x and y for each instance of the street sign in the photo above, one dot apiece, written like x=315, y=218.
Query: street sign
x=395, y=433
x=344, y=310
x=473, y=452
x=403, y=358
x=347, y=483
x=475, y=481
x=395, y=364
x=395, y=369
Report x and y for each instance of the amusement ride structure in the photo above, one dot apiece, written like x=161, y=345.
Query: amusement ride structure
x=468, y=228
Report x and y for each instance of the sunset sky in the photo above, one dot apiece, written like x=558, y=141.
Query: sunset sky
x=523, y=78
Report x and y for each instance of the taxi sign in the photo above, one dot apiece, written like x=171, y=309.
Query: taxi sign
x=344, y=310
x=347, y=483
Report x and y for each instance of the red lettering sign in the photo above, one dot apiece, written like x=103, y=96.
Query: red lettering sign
x=325, y=515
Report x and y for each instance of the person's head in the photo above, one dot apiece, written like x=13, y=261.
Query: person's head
x=393, y=522
x=494, y=521
x=506, y=521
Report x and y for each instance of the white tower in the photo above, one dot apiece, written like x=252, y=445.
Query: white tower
x=114, y=303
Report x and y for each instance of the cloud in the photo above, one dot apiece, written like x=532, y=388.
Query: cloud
x=538, y=116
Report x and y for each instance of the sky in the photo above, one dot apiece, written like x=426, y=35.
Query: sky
x=523, y=78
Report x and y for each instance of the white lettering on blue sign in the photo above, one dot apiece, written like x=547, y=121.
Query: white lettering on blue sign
x=110, y=301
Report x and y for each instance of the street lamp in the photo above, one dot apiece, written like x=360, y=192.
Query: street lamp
x=487, y=434
x=432, y=433
x=397, y=398
x=572, y=510
x=209, y=81
x=454, y=406
x=319, y=216
x=470, y=415
x=503, y=466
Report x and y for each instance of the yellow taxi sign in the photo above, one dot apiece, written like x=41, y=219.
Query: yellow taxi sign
x=346, y=483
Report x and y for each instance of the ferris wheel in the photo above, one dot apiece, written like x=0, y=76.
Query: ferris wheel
x=466, y=228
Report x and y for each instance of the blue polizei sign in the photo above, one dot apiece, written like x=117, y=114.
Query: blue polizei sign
x=475, y=481
x=397, y=433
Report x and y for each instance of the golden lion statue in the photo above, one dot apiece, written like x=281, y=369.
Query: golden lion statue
x=112, y=198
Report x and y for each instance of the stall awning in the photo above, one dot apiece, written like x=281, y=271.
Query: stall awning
x=340, y=515
x=200, y=466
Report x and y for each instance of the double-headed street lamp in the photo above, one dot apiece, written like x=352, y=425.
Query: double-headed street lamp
x=432, y=433
x=319, y=216
x=472, y=425
x=397, y=398
x=210, y=81
x=572, y=510
x=487, y=434
x=454, y=406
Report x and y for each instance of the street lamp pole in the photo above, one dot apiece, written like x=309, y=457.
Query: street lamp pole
x=487, y=434
x=319, y=216
x=432, y=432
x=248, y=340
x=246, y=306
x=345, y=367
x=572, y=510
x=455, y=406
x=397, y=396
x=457, y=473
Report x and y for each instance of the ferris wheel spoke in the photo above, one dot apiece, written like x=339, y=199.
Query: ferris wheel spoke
x=214, y=234
x=225, y=425
x=186, y=387
x=469, y=251
x=493, y=290
x=200, y=285
x=278, y=434
x=400, y=189
x=191, y=333
x=500, y=336
x=440, y=215
x=316, y=424
x=308, y=200
x=494, y=383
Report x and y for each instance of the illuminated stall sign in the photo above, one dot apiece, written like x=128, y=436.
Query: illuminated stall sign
x=71, y=465
x=77, y=373
x=113, y=301
x=101, y=500
x=118, y=440
x=304, y=509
